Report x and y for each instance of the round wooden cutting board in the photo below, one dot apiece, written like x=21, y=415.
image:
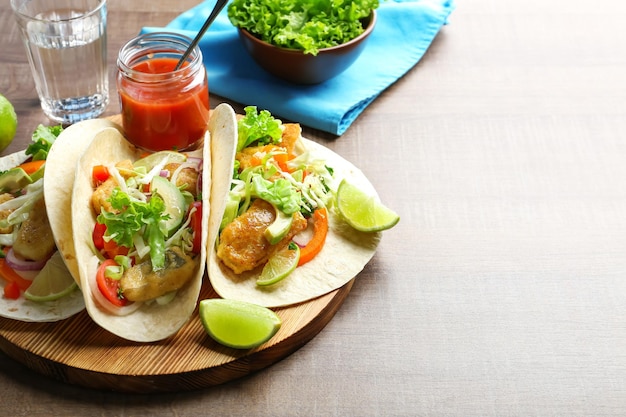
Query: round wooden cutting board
x=78, y=351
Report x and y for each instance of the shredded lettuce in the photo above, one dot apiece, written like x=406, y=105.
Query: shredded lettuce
x=183, y=237
x=19, y=209
x=20, y=206
x=309, y=186
x=307, y=25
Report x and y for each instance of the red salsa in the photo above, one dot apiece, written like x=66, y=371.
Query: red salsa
x=169, y=114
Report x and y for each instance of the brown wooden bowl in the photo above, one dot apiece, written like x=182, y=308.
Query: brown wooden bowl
x=297, y=67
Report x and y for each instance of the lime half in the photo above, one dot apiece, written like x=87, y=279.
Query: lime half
x=238, y=324
x=363, y=211
x=53, y=282
x=280, y=265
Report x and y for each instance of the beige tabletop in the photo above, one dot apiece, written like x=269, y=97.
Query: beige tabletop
x=502, y=292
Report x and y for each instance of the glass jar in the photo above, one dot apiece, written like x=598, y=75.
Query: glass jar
x=163, y=108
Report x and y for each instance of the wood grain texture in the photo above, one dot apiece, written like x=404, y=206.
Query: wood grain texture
x=77, y=351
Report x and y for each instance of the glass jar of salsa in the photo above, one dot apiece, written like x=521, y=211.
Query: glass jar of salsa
x=163, y=108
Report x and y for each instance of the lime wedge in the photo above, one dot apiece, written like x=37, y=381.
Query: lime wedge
x=154, y=158
x=238, y=324
x=280, y=265
x=53, y=282
x=363, y=211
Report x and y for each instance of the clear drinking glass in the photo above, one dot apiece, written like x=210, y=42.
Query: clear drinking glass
x=66, y=44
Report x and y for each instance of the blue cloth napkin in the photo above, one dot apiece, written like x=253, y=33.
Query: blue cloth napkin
x=403, y=32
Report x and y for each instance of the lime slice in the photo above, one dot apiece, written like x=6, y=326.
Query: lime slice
x=53, y=282
x=363, y=211
x=154, y=158
x=280, y=265
x=238, y=324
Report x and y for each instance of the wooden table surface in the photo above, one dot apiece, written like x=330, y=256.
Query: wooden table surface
x=503, y=290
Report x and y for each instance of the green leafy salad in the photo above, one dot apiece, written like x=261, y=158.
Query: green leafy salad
x=24, y=181
x=43, y=138
x=303, y=185
x=307, y=25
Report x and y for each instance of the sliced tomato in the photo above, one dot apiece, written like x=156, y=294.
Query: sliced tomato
x=12, y=291
x=112, y=249
x=98, y=235
x=9, y=275
x=110, y=288
x=100, y=174
x=196, y=225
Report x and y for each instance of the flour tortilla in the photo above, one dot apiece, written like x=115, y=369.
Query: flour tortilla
x=151, y=322
x=49, y=311
x=223, y=128
x=59, y=182
x=57, y=188
x=345, y=253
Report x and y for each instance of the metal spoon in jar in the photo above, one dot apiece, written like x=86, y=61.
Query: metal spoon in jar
x=216, y=10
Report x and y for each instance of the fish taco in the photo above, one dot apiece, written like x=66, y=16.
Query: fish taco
x=139, y=235
x=282, y=198
x=30, y=258
x=61, y=166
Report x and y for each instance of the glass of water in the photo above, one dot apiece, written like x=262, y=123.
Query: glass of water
x=66, y=44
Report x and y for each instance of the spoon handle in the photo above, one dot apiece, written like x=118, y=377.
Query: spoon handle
x=219, y=5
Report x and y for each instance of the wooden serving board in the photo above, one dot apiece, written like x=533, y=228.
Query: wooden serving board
x=78, y=351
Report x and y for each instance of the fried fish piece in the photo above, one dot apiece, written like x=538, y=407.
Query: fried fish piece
x=243, y=246
x=142, y=283
x=291, y=134
x=186, y=178
x=250, y=156
x=100, y=196
x=34, y=240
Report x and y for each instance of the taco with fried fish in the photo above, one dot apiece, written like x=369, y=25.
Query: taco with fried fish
x=139, y=235
x=36, y=284
x=281, y=239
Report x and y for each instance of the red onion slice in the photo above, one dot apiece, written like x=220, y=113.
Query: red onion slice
x=196, y=161
x=25, y=269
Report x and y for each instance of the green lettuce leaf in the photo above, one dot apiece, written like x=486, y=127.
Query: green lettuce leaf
x=43, y=137
x=307, y=25
x=132, y=217
x=260, y=127
x=279, y=193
